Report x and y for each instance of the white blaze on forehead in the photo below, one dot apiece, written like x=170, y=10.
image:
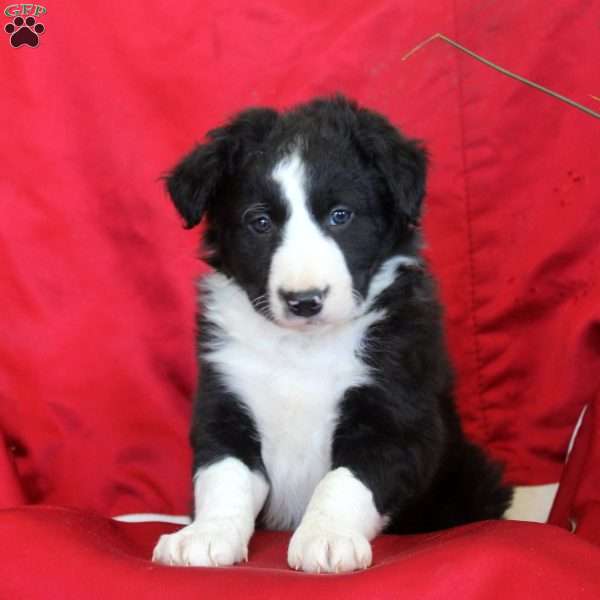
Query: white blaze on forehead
x=290, y=174
x=307, y=258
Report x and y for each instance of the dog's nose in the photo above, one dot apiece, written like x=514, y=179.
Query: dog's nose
x=307, y=303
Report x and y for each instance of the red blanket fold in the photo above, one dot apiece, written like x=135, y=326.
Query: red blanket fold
x=80, y=555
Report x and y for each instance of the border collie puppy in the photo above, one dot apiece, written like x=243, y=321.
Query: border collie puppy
x=325, y=402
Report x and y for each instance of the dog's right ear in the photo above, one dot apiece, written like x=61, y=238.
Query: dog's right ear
x=197, y=179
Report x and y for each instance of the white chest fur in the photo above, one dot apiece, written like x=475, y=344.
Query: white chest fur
x=292, y=383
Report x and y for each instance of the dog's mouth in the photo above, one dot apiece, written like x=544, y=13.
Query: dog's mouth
x=325, y=319
x=302, y=323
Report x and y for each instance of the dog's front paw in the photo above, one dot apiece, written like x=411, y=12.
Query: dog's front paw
x=318, y=547
x=215, y=544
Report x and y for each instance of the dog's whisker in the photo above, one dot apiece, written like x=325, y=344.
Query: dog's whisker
x=357, y=297
x=260, y=299
x=262, y=305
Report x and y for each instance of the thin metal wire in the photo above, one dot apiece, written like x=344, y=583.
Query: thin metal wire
x=504, y=71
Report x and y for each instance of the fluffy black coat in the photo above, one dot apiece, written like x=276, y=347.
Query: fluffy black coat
x=400, y=435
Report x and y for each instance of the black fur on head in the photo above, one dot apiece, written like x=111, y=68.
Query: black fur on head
x=400, y=163
x=195, y=182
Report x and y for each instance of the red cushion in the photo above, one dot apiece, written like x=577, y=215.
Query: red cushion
x=59, y=553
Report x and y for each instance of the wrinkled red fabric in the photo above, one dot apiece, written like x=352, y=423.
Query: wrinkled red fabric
x=577, y=503
x=81, y=555
x=97, y=365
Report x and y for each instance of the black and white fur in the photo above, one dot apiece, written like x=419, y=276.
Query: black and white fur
x=325, y=398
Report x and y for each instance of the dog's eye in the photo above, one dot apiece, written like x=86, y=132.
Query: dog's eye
x=340, y=216
x=260, y=224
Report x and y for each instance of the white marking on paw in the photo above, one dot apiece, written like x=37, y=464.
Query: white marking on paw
x=228, y=496
x=215, y=544
x=318, y=547
x=334, y=534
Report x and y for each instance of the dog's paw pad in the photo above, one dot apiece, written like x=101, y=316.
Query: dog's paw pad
x=24, y=31
x=201, y=545
x=318, y=550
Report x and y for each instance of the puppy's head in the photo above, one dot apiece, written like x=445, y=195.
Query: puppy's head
x=303, y=207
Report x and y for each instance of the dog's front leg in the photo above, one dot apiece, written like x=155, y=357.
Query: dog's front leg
x=339, y=522
x=228, y=496
x=379, y=463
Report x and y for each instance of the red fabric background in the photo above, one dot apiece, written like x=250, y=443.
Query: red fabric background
x=97, y=361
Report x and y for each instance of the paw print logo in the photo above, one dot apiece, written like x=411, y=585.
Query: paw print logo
x=24, y=31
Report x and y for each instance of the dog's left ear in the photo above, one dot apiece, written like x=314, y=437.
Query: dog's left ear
x=400, y=163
